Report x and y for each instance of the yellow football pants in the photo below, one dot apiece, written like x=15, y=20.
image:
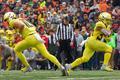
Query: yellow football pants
x=9, y=65
x=0, y=61
x=91, y=46
x=31, y=41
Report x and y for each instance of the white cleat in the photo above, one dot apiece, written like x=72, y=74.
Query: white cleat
x=64, y=71
x=106, y=68
x=68, y=68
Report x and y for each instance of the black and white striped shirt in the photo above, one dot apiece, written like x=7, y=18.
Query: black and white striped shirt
x=52, y=39
x=64, y=32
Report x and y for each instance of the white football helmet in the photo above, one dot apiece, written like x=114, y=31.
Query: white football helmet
x=9, y=15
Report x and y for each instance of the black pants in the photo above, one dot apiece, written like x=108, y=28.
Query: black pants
x=64, y=51
x=117, y=60
x=43, y=64
x=52, y=48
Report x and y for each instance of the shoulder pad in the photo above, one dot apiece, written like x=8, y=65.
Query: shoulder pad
x=11, y=22
x=100, y=23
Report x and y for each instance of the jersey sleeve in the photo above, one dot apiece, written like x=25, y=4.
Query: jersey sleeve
x=99, y=26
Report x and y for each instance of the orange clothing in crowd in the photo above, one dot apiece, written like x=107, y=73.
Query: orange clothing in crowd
x=0, y=1
x=11, y=1
x=42, y=8
x=86, y=10
x=54, y=3
x=5, y=24
x=103, y=6
x=62, y=7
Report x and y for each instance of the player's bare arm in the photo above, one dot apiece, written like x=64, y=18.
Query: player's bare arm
x=18, y=25
x=106, y=32
x=103, y=30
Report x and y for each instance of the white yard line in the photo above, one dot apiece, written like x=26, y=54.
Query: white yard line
x=86, y=78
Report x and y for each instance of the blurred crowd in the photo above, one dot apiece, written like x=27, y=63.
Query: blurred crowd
x=47, y=15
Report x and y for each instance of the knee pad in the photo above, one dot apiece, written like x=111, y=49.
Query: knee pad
x=108, y=50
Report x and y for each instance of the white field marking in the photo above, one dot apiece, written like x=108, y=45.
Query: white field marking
x=88, y=78
x=65, y=78
x=54, y=77
x=94, y=78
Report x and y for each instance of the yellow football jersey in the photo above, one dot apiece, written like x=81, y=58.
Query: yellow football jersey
x=9, y=40
x=97, y=30
x=28, y=27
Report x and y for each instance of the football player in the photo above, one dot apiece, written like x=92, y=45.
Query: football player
x=94, y=43
x=31, y=39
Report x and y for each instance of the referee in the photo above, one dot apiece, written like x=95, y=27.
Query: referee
x=64, y=36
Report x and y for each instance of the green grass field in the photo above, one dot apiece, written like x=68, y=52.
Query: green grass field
x=56, y=75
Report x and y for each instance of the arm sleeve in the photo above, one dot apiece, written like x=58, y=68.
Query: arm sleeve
x=106, y=32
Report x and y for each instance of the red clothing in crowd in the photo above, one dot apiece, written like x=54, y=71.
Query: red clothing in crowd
x=5, y=24
x=18, y=38
x=45, y=38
